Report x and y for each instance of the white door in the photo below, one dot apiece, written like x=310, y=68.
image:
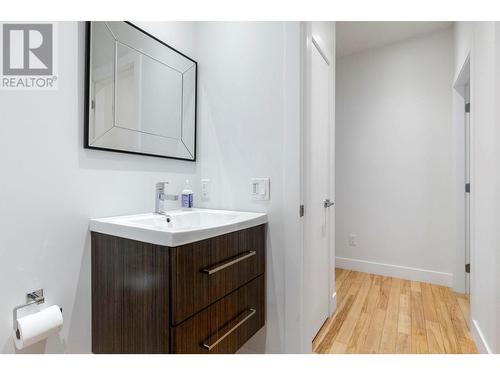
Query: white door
x=317, y=172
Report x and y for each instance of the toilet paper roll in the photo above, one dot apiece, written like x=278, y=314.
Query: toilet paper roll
x=37, y=327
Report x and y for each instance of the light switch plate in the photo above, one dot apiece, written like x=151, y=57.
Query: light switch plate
x=260, y=189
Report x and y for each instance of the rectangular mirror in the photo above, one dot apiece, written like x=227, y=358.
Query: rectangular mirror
x=140, y=93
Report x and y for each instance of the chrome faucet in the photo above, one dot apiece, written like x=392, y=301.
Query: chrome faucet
x=161, y=196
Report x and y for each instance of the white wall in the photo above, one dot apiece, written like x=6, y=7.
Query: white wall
x=249, y=99
x=50, y=186
x=394, y=165
x=479, y=38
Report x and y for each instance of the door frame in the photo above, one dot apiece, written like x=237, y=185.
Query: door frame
x=468, y=132
x=463, y=79
x=308, y=43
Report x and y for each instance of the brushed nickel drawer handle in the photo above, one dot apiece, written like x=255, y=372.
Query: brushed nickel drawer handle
x=209, y=345
x=237, y=259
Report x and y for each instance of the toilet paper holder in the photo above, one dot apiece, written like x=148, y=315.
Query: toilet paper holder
x=35, y=297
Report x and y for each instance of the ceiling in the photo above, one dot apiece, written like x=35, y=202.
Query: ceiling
x=353, y=37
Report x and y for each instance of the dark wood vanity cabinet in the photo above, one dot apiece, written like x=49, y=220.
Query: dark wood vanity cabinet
x=202, y=297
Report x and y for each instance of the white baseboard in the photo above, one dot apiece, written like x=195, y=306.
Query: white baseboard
x=402, y=272
x=479, y=339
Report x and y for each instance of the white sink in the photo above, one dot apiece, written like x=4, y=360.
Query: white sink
x=184, y=226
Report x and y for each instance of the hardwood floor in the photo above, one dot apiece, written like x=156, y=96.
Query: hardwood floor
x=377, y=314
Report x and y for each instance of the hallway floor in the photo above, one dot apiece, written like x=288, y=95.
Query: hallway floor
x=377, y=314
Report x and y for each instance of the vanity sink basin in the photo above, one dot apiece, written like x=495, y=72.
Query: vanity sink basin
x=177, y=227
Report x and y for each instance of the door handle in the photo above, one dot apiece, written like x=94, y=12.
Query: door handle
x=328, y=203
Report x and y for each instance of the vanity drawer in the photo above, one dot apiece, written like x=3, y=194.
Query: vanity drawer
x=235, y=259
x=205, y=271
x=224, y=326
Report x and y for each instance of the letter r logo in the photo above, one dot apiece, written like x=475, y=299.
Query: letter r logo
x=27, y=49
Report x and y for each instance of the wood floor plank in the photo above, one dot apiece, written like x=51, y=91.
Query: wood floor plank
x=359, y=334
x=434, y=337
x=335, y=325
x=357, y=282
x=467, y=346
x=343, y=288
x=418, y=331
x=404, y=315
x=430, y=313
x=457, y=318
x=371, y=301
x=385, y=289
x=406, y=287
x=339, y=272
x=379, y=314
x=403, y=346
x=415, y=286
x=372, y=341
x=349, y=324
x=361, y=329
x=447, y=330
x=390, y=330
x=417, y=313
x=419, y=343
x=341, y=276
x=337, y=348
x=463, y=302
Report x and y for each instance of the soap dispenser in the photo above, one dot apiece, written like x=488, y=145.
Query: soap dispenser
x=187, y=197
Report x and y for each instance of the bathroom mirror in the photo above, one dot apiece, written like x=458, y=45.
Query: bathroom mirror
x=140, y=93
